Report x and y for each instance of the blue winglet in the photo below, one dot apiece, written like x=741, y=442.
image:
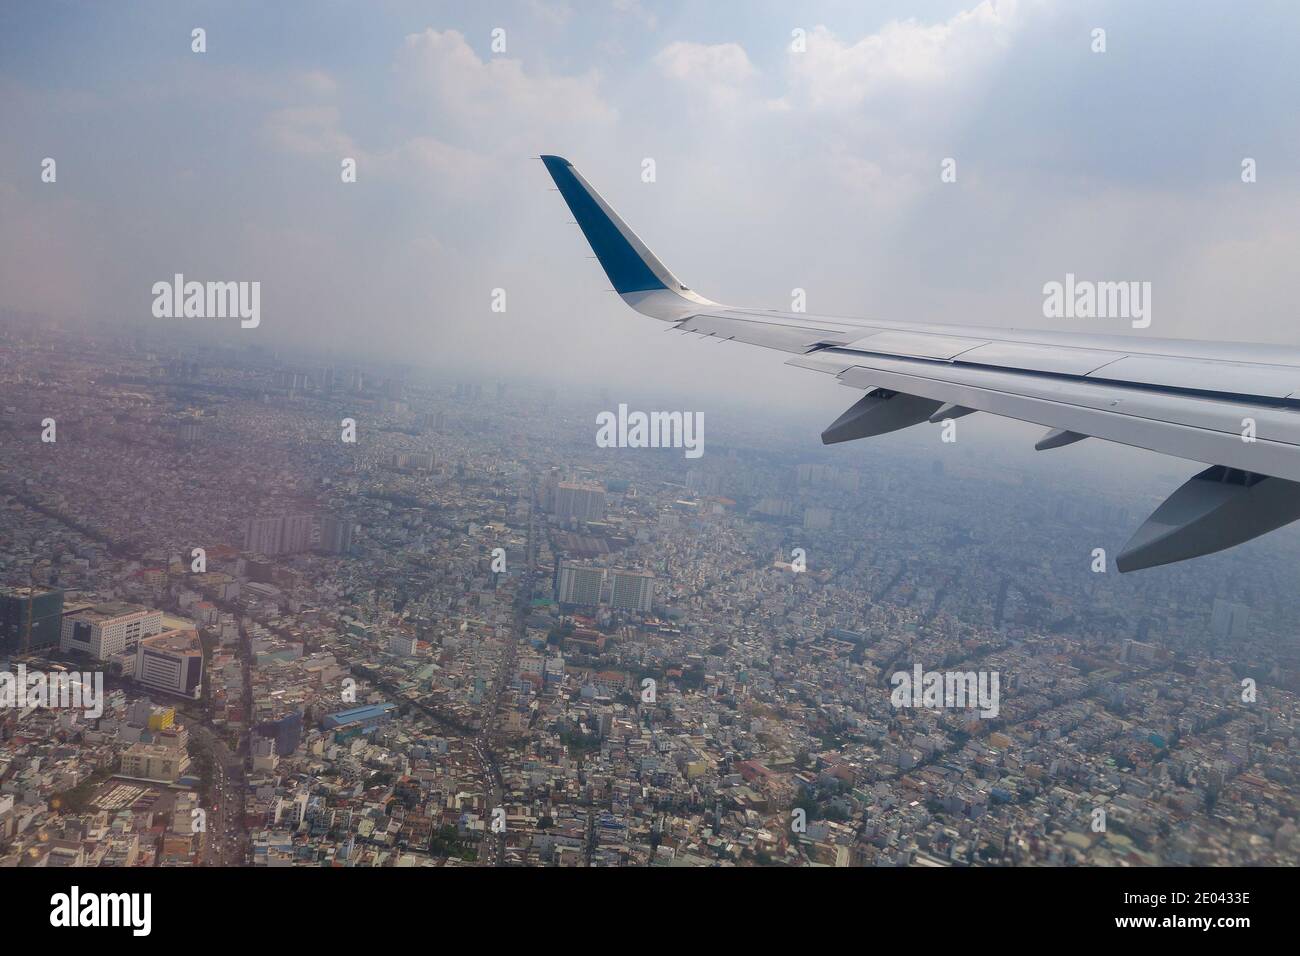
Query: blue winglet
x=625, y=266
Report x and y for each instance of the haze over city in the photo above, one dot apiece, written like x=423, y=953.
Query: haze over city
x=775, y=170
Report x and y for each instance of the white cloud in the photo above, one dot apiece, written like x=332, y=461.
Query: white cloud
x=720, y=71
x=717, y=63
x=308, y=130
x=869, y=118
x=317, y=83
x=634, y=9
x=449, y=169
x=555, y=12
x=494, y=101
x=902, y=56
x=487, y=114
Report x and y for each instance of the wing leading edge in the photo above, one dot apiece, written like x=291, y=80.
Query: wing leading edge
x=1232, y=406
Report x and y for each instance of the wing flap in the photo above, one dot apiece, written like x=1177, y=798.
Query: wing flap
x=786, y=336
x=1053, y=359
x=1229, y=378
x=919, y=344
x=1205, y=430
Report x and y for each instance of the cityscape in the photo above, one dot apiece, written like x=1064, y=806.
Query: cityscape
x=361, y=616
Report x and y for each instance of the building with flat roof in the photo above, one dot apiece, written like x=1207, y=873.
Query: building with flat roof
x=284, y=732
x=591, y=586
x=171, y=662
x=107, y=630
x=30, y=618
x=336, y=534
x=368, y=716
x=632, y=590
x=283, y=534
x=577, y=584
x=157, y=762
x=582, y=500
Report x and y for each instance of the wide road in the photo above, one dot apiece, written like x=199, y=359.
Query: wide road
x=483, y=746
x=227, y=842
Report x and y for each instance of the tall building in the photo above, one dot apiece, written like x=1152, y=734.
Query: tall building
x=1229, y=619
x=297, y=535
x=287, y=534
x=30, y=618
x=468, y=391
x=632, y=590
x=626, y=590
x=412, y=461
x=262, y=535
x=284, y=732
x=107, y=630
x=816, y=519
x=402, y=644
x=336, y=535
x=580, y=500
x=171, y=662
x=1137, y=652
x=576, y=584
x=188, y=431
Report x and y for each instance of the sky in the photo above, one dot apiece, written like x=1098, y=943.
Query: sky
x=775, y=169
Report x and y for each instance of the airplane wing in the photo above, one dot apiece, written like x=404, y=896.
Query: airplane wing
x=1232, y=406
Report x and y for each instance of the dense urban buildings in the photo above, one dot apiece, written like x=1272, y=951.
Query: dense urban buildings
x=474, y=638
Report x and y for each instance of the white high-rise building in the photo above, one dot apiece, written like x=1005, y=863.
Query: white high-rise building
x=107, y=630
x=402, y=644
x=625, y=590
x=297, y=534
x=288, y=534
x=579, y=585
x=632, y=590
x=172, y=662
x=262, y=535
x=586, y=502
